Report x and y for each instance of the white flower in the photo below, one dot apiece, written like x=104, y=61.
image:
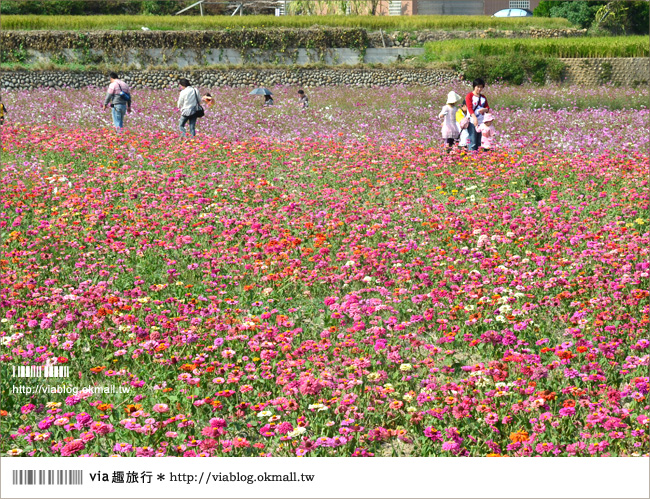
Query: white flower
x=406, y=367
x=367, y=279
x=504, y=309
x=15, y=452
x=264, y=414
x=296, y=432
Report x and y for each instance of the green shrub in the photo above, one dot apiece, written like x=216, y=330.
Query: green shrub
x=513, y=68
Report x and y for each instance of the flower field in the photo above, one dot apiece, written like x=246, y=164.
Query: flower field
x=327, y=282
x=546, y=118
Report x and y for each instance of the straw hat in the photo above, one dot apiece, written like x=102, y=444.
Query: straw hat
x=453, y=97
x=488, y=117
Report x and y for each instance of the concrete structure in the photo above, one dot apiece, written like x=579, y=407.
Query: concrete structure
x=206, y=56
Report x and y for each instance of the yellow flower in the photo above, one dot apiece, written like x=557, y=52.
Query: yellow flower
x=640, y=221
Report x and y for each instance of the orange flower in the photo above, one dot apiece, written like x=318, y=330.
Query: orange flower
x=547, y=395
x=97, y=369
x=131, y=408
x=519, y=436
x=105, y=407
x=188, y=367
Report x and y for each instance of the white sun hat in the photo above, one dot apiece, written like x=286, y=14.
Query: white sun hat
x=453, y=97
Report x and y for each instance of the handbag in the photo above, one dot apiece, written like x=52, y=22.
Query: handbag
x=464, y=123
x=125, y=95
x=199, y=112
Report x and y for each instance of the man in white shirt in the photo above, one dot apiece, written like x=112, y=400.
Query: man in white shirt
x=188, y=101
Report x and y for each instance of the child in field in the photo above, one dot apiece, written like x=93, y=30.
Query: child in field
x=462, y=118
x=303, y=100
x=450, y=131
x=3, y=111
x=208, y=100
x=488, y=132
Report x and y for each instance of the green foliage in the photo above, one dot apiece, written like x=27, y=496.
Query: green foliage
x=387, y=23
x=453, y=50
x=622, y=17
x=514, y=68
x=17, y=54
x=543, y=9
x=115, y=41
x=631, y=17
x=580, y=13
x=638, y=17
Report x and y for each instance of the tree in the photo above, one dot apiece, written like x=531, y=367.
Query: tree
x=580, y=13
x=611, y=17
x=638, y=17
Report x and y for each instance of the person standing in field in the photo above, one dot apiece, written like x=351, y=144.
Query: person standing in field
x=462, y=118
x=118, y=97
x=303, y=100
x=477, y=106
x=188, y=102
x=450, y=131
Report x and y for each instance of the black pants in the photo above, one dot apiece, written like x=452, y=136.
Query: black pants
x=450, y=143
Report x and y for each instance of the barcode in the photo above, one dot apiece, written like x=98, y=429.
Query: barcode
x=41, y=371
x=48, y=477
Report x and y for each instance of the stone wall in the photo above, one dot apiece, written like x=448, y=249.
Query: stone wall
x=598, y=71
x=159, y=79
x=586, y=72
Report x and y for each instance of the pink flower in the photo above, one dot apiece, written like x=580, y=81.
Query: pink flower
x=450, y=446
x=72, y=447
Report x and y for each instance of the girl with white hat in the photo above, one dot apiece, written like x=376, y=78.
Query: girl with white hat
x=450, y=131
